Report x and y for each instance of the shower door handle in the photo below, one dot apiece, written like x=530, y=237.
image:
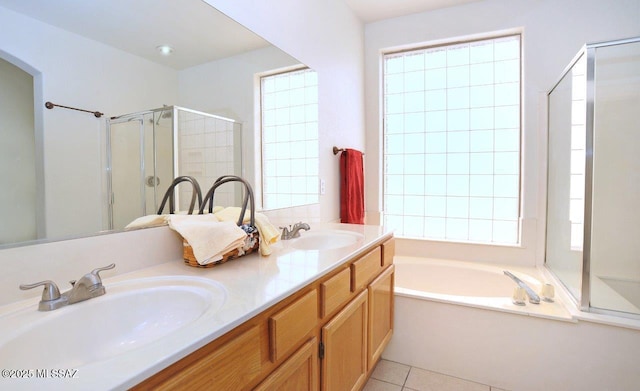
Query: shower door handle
x=152, y=181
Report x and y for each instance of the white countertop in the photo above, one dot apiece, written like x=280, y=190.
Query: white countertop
x=252, y=283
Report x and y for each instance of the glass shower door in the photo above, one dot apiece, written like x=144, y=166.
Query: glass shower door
x=159, y=164
x=141, y=161
x=127, y=164
x=615, y=244
x=594, y=178
x=565, y=181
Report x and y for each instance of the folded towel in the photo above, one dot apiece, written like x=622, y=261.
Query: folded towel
x=153, y=220
x=208, y=237
x=268, y=233
x=147, y=222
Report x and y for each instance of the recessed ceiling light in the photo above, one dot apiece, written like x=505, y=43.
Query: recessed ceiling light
x=165, y=50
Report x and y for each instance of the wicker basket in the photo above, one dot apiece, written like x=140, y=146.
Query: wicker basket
x=252, y=241
x=251, y=245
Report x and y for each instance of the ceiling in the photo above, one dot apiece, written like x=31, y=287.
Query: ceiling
x=197, y=32
x=373, y=10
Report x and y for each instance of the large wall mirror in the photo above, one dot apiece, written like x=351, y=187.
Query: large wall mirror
x=103, y=56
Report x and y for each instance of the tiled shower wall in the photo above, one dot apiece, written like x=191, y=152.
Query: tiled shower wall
x=208, y=147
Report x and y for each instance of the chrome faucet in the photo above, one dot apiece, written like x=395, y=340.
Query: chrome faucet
x=88, y=287
x=291, y=233
x=533, y=297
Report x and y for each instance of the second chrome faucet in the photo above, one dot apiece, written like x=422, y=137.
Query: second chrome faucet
x=88, y=287
x=293, y=232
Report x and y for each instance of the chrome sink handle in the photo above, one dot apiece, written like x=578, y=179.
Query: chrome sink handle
x=89, y=286
x=95, y=277
x=51, y=291
x=285, y=232
x=51, y=298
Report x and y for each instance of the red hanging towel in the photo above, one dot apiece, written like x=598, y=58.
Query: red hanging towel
x=351, y=187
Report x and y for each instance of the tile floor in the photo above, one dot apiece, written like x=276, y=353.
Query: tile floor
x=393, y=376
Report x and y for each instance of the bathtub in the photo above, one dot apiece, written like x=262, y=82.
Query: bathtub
x=457, y=318
x=471, y=284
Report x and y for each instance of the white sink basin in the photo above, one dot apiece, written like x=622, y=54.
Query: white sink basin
x=325, y=239
x=131, y=315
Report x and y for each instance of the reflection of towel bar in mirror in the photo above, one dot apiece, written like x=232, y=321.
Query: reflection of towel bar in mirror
x=50, y=106
x=336, y=150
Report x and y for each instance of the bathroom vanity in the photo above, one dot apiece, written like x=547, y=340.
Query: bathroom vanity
x=327, y=335
x=315, y=314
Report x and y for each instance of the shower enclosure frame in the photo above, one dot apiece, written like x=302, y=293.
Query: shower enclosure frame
x=177, y=121
x=589, y=52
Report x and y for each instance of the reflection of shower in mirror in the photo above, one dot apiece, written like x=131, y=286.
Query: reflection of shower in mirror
x=146, y=150
x=166, y=112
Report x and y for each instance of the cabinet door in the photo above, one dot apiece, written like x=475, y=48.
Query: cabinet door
x=298, y=373
x=344, y=366
x=380, y=314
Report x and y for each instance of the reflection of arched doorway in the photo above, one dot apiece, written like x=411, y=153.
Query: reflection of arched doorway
x=18, y=193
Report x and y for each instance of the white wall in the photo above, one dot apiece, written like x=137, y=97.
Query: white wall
x=75, y=71
x=226, y=87
x=553, y=32
x=326, y=36
x=17, y=155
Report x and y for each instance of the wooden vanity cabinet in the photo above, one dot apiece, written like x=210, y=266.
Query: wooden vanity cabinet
x=328, y=336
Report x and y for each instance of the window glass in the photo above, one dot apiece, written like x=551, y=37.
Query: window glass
x=289, y=108
x=452, y=141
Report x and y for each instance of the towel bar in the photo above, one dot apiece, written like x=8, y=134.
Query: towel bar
x=336, y=150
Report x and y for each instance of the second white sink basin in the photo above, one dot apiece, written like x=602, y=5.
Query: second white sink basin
x=132, y=314
x=325, y=239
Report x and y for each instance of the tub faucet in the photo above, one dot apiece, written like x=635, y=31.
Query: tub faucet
x=533, y=297
x=291, y=233
x=88, y=287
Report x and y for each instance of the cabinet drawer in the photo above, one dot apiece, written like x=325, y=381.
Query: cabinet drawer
x=335, y=291
x=364, y=269
x=231, y=366
x=288, y=327
x=388, y=251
